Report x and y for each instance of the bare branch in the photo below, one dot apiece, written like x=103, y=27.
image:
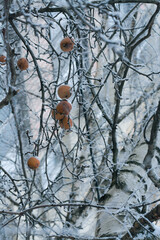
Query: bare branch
x=8, y=97
x=151, y=216
x=152, y=147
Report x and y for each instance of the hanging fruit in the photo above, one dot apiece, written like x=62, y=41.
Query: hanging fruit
x=64, y=91
x=33, y=163
x=67, y=44
x=22, y=64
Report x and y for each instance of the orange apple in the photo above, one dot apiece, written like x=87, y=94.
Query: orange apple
x=22, y=63
x=64, y=91
x=33, y=163
x=56, y=115
x=64, y=107
x=2, y=59
x=67, y=44
x=66, y=123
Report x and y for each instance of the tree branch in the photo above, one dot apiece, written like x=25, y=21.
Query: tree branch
x=52, y=205
x=148, y=27
x=8, y=97
x=151, y=149
x=39, y=75
x=151, y=216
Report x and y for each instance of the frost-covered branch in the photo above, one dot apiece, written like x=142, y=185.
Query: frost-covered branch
x=150, y=217
x=8, y=97
x=152, y=147
x=81, y=204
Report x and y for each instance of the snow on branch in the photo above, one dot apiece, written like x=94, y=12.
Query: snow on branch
x=152, y=147
x=8, y=98
x=138, y=225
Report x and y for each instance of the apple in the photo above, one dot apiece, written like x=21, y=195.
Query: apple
x=64, y=91
x=56, y=115
x=33, y=163
x=2, y=59
x=67, y=44
x=22, y=64
x=64, y=107
x=66, y=123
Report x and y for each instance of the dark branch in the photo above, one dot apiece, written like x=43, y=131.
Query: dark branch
x=151, y=216
x=34, y=11
x=8, y=98
x=152, y=147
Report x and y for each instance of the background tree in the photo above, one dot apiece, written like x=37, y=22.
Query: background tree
x=98, y=149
